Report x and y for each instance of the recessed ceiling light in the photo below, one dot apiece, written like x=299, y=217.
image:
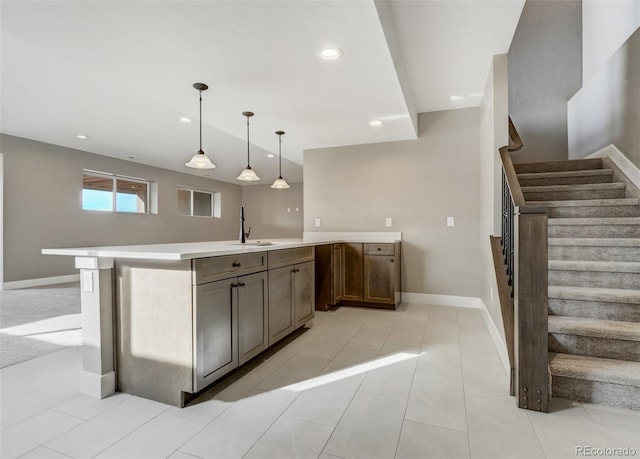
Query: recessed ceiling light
x=375, y=123
x=270, y=155
x=185, y=120
x=82, y=136
x=331, y=54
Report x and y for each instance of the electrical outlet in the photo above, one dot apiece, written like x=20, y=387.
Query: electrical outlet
x=317, y=223
x=451, y=221
x=87, y=281
x=388, y=222
x=297, y=209
x=288, y=209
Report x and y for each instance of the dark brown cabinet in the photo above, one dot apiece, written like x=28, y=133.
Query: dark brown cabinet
x=358, y=274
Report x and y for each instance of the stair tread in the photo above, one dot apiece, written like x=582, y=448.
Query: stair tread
x=595, y=221
x=605, y=295
x=581, y=173
x=595, y=242
x=588, y=202
x=595, y=328
x=622, y=372
x=576, y=187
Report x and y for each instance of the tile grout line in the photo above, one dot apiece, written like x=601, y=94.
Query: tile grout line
x=464, y=391
x=406, y=407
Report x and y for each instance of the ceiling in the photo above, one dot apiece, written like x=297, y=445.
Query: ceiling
x=121, y=73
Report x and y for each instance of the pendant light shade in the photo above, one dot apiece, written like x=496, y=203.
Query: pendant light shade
x=200, y=160
x=248, y=174
x=280, y=183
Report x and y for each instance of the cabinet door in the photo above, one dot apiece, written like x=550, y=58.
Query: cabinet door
x=379, y=279
x=252, y=298
x=216, y=316
x=352, y=271
x=281, y=321
x=303, y=297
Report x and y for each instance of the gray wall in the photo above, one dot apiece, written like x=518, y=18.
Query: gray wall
x=42, y=191
x=266, y=211
x=545, y=71
x=607, y=108
x=418, y=183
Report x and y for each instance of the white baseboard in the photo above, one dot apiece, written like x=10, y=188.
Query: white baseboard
x=443, y=300
x=28, y=283
x=626, y=166
x=465, y=302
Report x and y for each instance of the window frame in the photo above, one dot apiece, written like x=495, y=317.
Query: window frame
x=215, y=202
x=114, y=191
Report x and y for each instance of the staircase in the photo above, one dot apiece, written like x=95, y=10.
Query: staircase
x=594, y=278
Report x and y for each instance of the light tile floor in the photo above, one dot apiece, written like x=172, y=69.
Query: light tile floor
x=420, y=382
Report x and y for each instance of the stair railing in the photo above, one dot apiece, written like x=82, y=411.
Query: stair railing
x=524, y=246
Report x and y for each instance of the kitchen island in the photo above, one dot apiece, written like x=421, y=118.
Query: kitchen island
x=164, y=321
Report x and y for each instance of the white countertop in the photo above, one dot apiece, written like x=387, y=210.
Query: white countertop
x=189, y=250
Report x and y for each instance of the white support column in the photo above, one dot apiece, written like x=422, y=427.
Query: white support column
x=98, y=378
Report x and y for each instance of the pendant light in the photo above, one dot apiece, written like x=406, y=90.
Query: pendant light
x=248, y=174
x=200, y=160
x=280, y=183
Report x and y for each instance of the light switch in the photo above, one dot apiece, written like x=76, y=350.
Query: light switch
x=87, y=281
x=317, y=223
x=297, y=209
x=388, y=222
x=450, y=221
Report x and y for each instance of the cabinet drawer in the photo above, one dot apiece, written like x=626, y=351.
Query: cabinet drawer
x=284, y=257
x=216, y=268
x=378, y=249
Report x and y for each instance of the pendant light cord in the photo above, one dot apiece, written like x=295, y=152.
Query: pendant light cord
x=280, y=153
x=248, y=163
x=201, y=121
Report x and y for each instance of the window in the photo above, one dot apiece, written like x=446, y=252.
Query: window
x=106, y=192
x=196, y=203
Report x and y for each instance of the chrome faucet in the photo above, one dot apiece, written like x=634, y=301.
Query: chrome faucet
x=244, y=235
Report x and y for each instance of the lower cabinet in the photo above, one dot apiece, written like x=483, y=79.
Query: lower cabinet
x=291, y=299
x=359, y=274
x=230, y=325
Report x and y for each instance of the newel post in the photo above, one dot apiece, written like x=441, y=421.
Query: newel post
x=530, y=310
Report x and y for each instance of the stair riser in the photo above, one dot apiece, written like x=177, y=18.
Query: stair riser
x=559, y=166
x=573, y=195
x=595, y=347
x=594, y=279
x=618, y=395
x=589, y=253
x=594, y=211
x=595, y=310
x=594, y=231
x=565, y=180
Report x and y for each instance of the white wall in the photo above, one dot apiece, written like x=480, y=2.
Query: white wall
x=606, y=110
x=418, y=183
x=1, y=220
x=494, y=133
x=606, y=25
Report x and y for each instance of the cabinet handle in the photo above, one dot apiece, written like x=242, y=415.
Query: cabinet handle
x=241, y=284
x=235, y=264
x=234, y=285
x=295, y=270
x=391, y=260
x=379, y=249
